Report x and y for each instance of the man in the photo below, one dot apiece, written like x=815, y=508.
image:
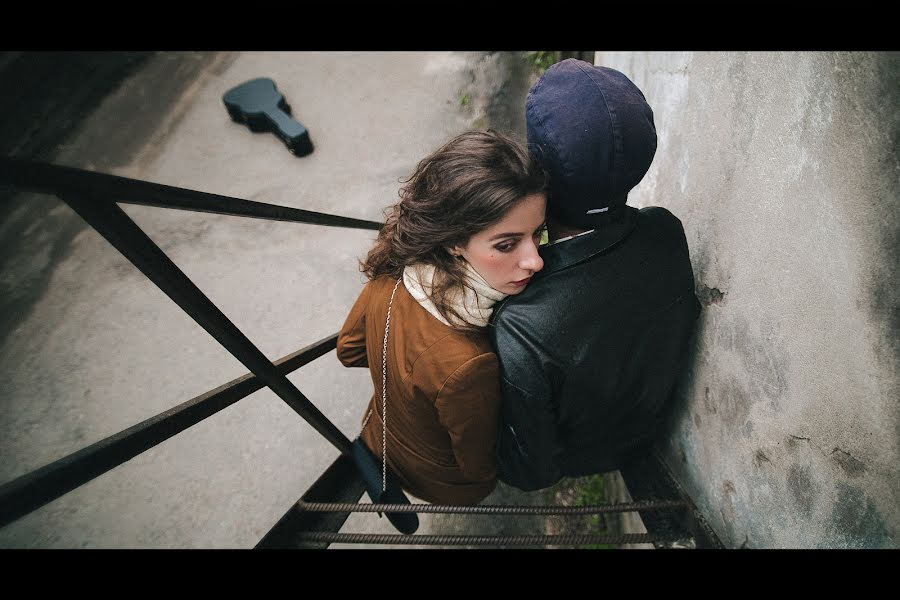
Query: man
x=590, y=351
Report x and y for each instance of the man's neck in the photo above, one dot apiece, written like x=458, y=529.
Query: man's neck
x=557, y=231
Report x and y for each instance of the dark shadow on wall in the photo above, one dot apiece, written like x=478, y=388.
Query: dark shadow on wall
x=48, y=95
x=679, y=402
x=51, y=95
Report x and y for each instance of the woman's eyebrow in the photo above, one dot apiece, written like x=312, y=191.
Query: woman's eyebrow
x=503, y=235
x=514, y=234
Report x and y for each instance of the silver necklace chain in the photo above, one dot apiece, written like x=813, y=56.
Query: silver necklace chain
x=387, y=328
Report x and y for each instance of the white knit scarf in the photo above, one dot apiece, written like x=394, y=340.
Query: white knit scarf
x=474, y=304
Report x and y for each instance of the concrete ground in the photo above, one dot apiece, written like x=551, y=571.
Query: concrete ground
x=89, y=347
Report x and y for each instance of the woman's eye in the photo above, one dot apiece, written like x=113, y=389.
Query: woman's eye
x=505, y=247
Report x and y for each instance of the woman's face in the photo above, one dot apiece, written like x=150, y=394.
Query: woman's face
x=505, y=253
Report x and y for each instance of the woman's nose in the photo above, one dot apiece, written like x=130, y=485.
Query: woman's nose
x=532, y=261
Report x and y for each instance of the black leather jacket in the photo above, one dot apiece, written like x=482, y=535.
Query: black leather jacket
x=590, y=351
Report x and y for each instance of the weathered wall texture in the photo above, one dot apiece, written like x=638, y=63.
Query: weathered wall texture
x=783, y=168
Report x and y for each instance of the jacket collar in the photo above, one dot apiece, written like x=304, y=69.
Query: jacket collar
x=580, y=248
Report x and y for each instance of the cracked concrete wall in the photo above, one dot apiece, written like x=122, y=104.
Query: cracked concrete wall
x=784, y=171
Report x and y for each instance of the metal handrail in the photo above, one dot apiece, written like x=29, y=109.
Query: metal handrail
x=95, y=197
x=45, y=484
x=102, y=187
x=492, y=509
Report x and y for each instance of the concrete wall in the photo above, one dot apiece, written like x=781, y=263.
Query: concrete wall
x=783, y=169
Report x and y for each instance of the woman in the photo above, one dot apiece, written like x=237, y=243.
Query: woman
x=463, y=236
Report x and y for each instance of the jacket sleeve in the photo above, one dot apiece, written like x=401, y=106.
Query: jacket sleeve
x=351, y=342
x=467, y=407
x=527, y=444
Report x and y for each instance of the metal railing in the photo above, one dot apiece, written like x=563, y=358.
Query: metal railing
x=313, y=521
x=95, y=197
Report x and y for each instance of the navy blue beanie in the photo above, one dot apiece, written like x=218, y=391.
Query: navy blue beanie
x=592, y=130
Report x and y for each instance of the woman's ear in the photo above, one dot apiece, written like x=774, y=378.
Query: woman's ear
x=455, y=251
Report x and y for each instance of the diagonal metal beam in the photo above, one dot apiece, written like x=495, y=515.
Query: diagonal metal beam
x=35, y=489
x=648, y=477
x=124, y=234
x=340, y=482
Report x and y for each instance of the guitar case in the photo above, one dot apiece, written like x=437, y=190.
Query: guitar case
x=260, y=106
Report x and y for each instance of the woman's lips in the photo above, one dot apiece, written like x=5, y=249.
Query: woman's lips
x=522, y=282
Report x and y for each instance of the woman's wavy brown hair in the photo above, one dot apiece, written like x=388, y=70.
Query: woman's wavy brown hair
x=462, y=188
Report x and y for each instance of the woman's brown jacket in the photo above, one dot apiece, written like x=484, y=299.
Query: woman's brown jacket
x=443, y=395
